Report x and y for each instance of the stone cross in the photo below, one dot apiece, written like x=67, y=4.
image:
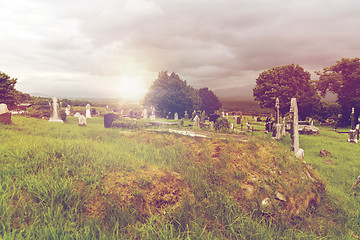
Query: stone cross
x=295, y=145
x=277, y=106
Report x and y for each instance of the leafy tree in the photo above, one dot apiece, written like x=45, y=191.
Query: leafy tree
x=169, y=93
x=8, y=94
x=286, y=82
x=209, y=101
x=343, y=79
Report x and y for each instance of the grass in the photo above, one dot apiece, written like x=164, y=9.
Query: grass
x=61, y=181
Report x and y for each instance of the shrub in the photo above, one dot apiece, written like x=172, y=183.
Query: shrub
x=222, y=125
x=130, y=124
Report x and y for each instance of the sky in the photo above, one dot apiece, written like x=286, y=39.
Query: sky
x=116, y=48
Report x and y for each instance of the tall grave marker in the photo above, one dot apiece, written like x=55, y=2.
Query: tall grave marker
x=352, y=132
x=295, y=145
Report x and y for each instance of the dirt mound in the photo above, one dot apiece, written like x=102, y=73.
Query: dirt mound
x=149, y=191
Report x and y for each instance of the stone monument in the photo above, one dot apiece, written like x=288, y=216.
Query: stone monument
x=196, y=121
x=55, y=111
x=176, y=116
x=88, y=113
x=277, y=130
x=5, y=115
x=295, y=145
x=352, y=132
x=212, y=125
x=145, y=114
x=186, y=116
x=82, y=121
x=202, y=117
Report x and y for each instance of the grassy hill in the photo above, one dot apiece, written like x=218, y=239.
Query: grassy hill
x=62, y=181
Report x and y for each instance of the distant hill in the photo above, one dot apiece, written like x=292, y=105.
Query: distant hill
x=244, y=93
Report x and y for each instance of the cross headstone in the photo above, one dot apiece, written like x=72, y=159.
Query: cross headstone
x=295, y=145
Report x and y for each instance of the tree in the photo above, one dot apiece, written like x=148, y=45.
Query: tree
x=343, y=79
x=209, y=101
x=169, y=93
x=286, y=82
x=8, y=94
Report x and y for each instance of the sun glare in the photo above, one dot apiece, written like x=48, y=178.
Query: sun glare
x=132, y=89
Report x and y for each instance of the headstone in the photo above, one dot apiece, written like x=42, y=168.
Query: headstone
x=232, y=127
x=186, y=115
x=277, y=106
x=77, y=115
x=152, y=116
x=202, y=117
x=55, y=110
x=181, y=122
x=223, y=115
x=67, y=111
x=145, y=115
x=212, y=125
x=107, y=109
x=227, y=115
x=82, y=121
x=122, y=112
x=108, y=119
x=353, y=131
x=193, y=115
x=295, y=145
x=88, y=113
x=176, y=116
x=3, y=108
x=238, y=120
x=5, y=115
x=196, y=121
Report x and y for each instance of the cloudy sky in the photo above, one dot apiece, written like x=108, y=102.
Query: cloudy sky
x=116, y=48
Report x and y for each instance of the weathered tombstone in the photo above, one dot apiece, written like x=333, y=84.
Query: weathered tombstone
x=352, y=132
x=88, y=113
x=77, y=115
x=212, y=125
x=176, y=116
x=196, y=121
x=5, y=115
x=108, y=119
x=277, y=130
x=145, y=115
x=55, y=111
x=186, y=115
x=181, y=122
x=227, y=115
x=203, y=117
x=193, y=115
x=295, y=145
x=67, y=111
x=223, y=115
x=82, y=121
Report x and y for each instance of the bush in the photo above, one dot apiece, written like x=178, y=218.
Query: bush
x=222, y=125
x=63, y=115
x=130, y=124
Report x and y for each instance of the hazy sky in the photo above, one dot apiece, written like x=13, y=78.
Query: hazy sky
x=112, y=48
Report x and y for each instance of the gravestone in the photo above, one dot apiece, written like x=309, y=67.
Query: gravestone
x=223, y=115
x=67, y=111
x=181, y=122
x=352, y=132
x=82, y=121
x=227, y=115
x=88, y=113
x=193, y=115
x=277, y=130
x=238, y=120
x=186, y=115
x=145, y=115
x=5, y=115
x=202, y=117
x=196, y=121
x=176, y=116
x=107, y=109
x=108, y=119
x=295, y=145
x=55, y=111
x=212, y=125
x=77, y=115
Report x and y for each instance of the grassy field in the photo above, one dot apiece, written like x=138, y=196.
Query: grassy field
x=62, y=181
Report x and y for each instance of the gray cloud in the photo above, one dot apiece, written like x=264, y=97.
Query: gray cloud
x=94, y=45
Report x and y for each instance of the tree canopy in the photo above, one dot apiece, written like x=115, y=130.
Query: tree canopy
x=343, y=79
x=209, y=101
x=169, y=93
x=286, y=82
x=8, y=94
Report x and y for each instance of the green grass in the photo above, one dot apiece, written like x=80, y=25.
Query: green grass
x=48, y=172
